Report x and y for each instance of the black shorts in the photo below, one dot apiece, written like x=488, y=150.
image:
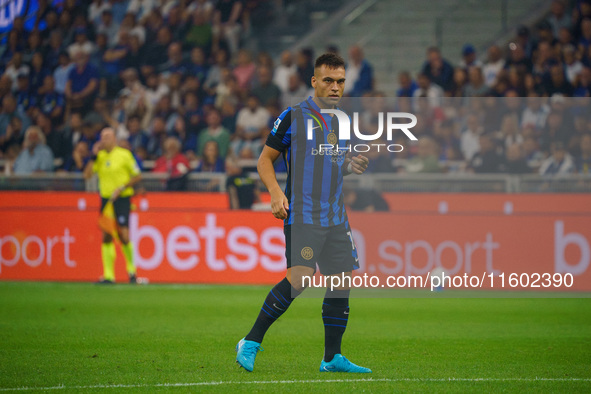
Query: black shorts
x=332, y=247
x=122, y=207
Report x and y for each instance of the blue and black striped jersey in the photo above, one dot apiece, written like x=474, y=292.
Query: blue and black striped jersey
x=315, y=181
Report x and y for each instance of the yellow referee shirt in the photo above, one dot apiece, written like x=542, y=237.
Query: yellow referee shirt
x=114, y=170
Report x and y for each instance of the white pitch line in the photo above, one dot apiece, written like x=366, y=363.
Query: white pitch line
x=218, y=383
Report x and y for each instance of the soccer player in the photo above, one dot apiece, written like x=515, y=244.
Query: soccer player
x=316, y=226
x=117, y=172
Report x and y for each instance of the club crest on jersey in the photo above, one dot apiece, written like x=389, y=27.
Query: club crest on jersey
x=331, y=138
x=307, y=253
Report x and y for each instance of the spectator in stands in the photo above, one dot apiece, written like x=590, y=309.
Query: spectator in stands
x=227, y=26
x=137, y=138
x=359, y=73
x=198, y=65
x=52, y=49
x=12, y=46
x=515, y=162
x=244, y=70
x=583, y=83
x=554, y=131
x=77, y=161
x=173, y=163
x=165, y=111
x=585, y=39
x=229, y=112
x=108, y=27
x=305, y=65
x=535, y=113
x=486, y=160
x=8, y=112
x=133, y=98
x=295, y=93
x=407, y=85
x=15, y=68
x=188, y=140
x=459, y=83
x=12, y=138
x=178, y=25
x=33, y=46
x=469, y=58
x=572, y=65
x=509, y=134
x=214, y=132
x=583, y=160
x=95, y=10
x=559, y=18
x=494, y=64
x=265, y=90
x=429, y=90
x=62, y=72
x=426, y=160
x=476, y=86
x=192, y=112
x=154, y=51
x=25, y=100
x=54, y=139
x=438, y=70
x=5, y=86
x=211, y=160
x=518, y=59
x=470, y=137
x=559, y=163
x=227, y=88
x=448, y=142
x=284, y=71
x=557, y=83
x=141, y=8
x=156, y=137
x=35, y=155
x=82, y=84
x=251, y=126
x=38, y=73
x=81, y=42
x=175, y=62
x=200, y=33
x=214, y=75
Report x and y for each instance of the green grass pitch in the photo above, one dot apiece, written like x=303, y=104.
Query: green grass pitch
x=77, y=337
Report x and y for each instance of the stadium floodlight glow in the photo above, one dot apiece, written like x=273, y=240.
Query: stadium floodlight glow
x=345, y=125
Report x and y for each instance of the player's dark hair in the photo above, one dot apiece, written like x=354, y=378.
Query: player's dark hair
x=330, y=60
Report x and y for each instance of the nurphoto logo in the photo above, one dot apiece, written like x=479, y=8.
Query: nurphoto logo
x=392, y=120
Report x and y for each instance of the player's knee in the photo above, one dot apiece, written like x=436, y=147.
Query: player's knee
x=107, y=238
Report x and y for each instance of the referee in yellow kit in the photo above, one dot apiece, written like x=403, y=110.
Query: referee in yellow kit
x=117, y=172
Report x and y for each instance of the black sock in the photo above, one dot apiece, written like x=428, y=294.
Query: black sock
x=335, y=314
x=276, y=303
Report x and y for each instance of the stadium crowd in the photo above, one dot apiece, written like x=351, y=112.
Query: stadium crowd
x=175, y=81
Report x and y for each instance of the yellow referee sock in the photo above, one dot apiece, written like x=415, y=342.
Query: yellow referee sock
x=128, y=253
x=108, y=254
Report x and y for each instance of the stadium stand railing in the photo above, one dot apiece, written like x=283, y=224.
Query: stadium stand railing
x=419, y=183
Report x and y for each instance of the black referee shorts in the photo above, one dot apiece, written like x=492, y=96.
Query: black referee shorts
x=332, y=247
x=122, y=207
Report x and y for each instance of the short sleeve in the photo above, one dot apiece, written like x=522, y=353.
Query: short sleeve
x=280, y=136
x=134, y=168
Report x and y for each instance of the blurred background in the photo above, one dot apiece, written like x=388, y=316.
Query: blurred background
x=192, y=87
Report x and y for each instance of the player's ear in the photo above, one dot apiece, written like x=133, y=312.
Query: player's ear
x=313, y=80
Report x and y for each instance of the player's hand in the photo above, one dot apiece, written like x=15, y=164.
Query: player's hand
x=279, y=205
x=359, y=164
